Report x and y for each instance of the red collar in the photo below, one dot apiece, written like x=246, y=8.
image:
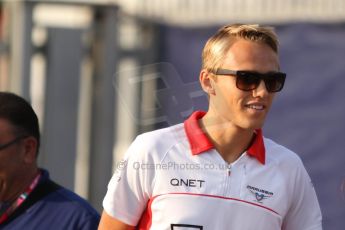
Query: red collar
x=200, y=143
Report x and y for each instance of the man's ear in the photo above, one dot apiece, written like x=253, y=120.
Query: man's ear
x=207, y=82
x=30, y=147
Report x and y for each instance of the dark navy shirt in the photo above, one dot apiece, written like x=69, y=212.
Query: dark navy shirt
x=51, y=206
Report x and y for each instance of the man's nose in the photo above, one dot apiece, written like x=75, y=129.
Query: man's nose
x=261, y=90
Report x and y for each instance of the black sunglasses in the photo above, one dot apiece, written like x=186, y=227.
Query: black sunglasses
x=8, y=144
x=249, y=80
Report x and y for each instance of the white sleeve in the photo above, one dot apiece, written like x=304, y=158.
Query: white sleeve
x=304, y=212
x=129, y=188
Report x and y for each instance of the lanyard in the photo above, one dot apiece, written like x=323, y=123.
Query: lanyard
x=20, y=199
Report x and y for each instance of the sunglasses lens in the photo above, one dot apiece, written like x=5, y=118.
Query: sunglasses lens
x=275, y=82
x=247, y=81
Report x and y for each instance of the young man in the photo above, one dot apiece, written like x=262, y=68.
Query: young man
x=28, y=198
x=217, y=171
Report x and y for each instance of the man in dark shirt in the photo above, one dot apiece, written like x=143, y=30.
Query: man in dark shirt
x=28, y=198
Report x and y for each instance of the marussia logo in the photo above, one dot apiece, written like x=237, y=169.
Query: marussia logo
x=259, y=194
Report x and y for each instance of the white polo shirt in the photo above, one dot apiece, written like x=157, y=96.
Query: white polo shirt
x=174, y=179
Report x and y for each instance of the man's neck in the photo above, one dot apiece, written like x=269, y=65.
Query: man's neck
x=20, y=185
x=229, y=140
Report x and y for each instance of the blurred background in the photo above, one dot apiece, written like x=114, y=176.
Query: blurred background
x=100, y=72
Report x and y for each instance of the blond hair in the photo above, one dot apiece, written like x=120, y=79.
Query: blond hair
x=217, y=46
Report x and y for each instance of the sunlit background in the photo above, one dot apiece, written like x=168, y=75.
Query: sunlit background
x=99, y=72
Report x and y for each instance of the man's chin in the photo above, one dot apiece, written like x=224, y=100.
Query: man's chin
x=254, y=125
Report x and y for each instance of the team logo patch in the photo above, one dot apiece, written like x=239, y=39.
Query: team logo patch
x=259, y=194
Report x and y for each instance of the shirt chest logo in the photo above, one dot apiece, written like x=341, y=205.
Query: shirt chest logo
x=259, y=194
x=187, y=182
